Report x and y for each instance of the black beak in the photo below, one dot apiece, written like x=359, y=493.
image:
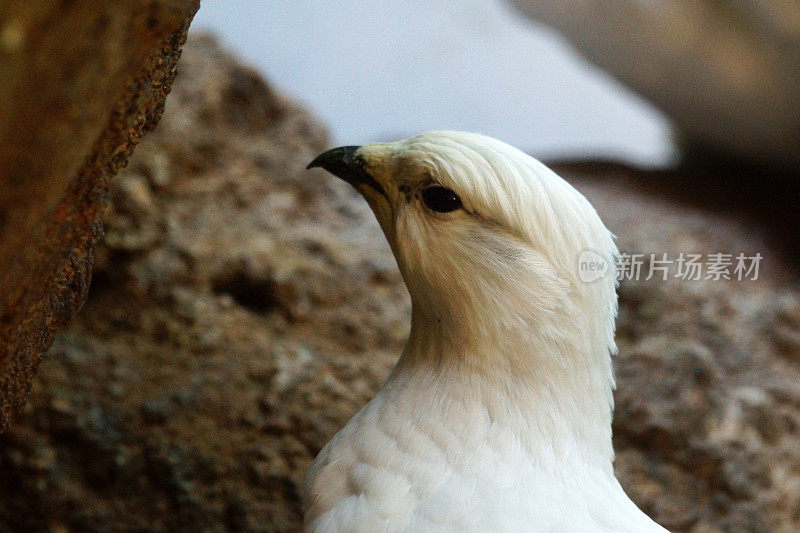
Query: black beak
x=345, y=163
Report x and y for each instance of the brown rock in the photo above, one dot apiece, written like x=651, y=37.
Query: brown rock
x=727, y=74
x=82, y=82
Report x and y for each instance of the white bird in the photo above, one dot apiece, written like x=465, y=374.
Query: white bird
x=497, y=417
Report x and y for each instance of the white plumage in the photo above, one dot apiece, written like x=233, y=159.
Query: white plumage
x=497, y=416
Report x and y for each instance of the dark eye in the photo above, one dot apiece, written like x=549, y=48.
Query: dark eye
x=441, y=199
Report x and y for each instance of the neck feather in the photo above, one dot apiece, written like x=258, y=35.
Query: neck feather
x=548, y=381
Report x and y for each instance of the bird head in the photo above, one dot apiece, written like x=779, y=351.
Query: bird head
x=487, y=238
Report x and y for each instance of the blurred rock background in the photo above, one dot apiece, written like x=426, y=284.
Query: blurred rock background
x=726, y=73
x=243, y=308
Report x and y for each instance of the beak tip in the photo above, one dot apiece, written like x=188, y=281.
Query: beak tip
x=345, y=163
x=335, y=159
x=314, y=163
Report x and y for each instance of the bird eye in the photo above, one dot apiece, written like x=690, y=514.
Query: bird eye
x=441, y=199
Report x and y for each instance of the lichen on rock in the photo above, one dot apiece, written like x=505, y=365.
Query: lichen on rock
x=82, y=82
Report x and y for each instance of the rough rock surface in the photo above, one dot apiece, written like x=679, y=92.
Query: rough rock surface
x=244, y=308
x=82, y=82
x=726, y=73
